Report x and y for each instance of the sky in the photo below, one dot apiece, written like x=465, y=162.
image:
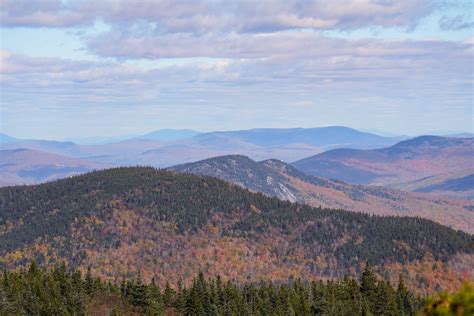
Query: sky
x=118, y=67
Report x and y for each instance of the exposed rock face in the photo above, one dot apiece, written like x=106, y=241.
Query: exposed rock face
x=279, y=179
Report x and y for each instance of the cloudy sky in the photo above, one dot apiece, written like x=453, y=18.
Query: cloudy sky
x=118, y=67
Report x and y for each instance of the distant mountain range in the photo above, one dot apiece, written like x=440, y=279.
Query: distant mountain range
x=168, y=147
x=265, y=143
x=159, y=135
x=409, y=160
x=329, y=152
x=97, y=140
x=276, y=178
x=144, y=222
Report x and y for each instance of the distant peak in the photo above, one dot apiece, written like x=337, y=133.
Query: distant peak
x=431, y=140
x=170, y=134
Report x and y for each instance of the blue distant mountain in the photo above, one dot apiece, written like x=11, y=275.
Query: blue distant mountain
x=5, y=139
x=287, y=144
x=98, y=140
x=169, y=147
x=169, y=134
x=318, y=136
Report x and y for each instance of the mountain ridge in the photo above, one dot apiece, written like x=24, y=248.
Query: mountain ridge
x=169, y=134
x=161, y=223
x=277, y=178
x=405, y=161
x=286, y=144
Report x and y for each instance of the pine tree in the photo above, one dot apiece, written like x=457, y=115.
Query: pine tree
x=404, y=301
x=89, y=282
x=320, y=303
x=154, y=303
x=368, y=287
x=168, y=295
x=180, y=302
x=385, y=303
x=138, y=293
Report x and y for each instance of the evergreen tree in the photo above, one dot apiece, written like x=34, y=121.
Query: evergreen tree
x=368, y=287
x=180, y=302
x=404, y=301
x=385, y=302
x=61, y=292
x=168, y=295
x=89, y=282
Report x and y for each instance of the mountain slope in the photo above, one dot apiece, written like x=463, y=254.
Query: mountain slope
x=405, y=161
x=245, y=172
x=458, y=184
x=125, y=220
x=276, y=178
x=465, y=183
x=26, y=166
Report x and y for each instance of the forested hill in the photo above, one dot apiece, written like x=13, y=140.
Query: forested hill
x=159, y=223
x=277, y=178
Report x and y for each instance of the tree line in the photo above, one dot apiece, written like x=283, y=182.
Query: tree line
x=63, y=291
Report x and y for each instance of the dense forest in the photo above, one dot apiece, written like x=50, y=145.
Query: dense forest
x=126, y=221
x=61, y=291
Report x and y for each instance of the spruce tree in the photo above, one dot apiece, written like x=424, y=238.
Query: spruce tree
x=89, y=282
x=168, y=295
x=404, y=301
x=368, y=287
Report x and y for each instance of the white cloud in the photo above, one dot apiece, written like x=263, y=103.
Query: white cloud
x=217, y=16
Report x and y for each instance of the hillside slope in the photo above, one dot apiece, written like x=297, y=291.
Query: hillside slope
x=26, y=166
x=405, y=161
x=245, y=172
x=276, y=178
x=458, y=184
x=125, y=220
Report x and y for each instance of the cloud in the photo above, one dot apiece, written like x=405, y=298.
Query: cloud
x=270, y=59
x=277, y=47
x=198, y=16
x=42, y=13
x=459, y=22
x=346, y=15
x=269, y=78
x=278, y=62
